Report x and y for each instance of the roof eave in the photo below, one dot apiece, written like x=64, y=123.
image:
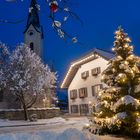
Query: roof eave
x=65, y=84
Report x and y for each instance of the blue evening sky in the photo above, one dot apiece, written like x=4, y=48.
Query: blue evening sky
x=101, y=18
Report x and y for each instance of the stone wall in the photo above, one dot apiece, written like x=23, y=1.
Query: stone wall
x=18, y=114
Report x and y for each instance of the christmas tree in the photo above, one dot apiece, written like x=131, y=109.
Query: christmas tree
x=118, y=108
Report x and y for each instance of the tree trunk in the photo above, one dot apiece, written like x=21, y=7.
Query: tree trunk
x=25, y=112
x=23, y=103
x=24, y=107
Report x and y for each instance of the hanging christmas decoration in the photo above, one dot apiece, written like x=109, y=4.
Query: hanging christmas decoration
x=60, y=13
x=53, y=6
x=58, y=26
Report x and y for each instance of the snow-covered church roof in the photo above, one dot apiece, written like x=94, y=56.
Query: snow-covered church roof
x=85, y=59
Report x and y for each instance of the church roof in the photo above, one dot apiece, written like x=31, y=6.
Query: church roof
x=87, y=58
x=33, y=18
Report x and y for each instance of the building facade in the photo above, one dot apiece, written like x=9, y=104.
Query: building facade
x=83, y=81
x=33, y=37
x=33, y=33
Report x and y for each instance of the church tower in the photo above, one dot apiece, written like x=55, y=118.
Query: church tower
x=33, y=34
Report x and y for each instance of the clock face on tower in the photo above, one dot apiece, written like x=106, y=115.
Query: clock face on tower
x=30, y=32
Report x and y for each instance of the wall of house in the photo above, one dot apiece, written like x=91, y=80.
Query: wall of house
x=78, y=82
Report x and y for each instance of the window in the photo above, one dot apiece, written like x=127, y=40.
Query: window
x=83, y=92
x=74, y=109
x=85, y=74
x=73, y=94
x=1, y=95
x=32, y=46
x=84, y=109
x=96, y=71
x=30, y=32
x=95, y=89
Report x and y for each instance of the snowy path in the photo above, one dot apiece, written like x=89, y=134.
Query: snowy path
x=51, y=129
x=55, y=124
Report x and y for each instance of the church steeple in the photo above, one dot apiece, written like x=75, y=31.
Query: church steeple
x=33, y=17
x=34, y=32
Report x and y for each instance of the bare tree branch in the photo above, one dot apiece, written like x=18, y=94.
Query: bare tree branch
x=11, y=22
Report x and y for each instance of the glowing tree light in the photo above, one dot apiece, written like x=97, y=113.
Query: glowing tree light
x=118, y=105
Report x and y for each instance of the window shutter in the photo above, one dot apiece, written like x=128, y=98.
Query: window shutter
x=86, y=92
x=93, y=90
x=99, y=70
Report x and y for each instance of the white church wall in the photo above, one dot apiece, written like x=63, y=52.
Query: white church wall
x=36, y=38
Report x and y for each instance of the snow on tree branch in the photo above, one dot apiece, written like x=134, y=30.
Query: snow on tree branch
x=62, y=6
x=4, y=58
x=118, y=107
x=28, y=72
x=57, y=8
x=28, y=76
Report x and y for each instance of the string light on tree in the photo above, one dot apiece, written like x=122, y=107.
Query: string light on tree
x=119, y=101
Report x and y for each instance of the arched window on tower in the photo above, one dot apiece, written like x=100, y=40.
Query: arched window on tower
x=32, y=46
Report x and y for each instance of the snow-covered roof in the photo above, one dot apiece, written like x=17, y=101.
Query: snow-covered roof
x=85, y=59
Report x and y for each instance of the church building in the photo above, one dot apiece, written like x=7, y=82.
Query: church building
x=33, y=33
x=33, y=37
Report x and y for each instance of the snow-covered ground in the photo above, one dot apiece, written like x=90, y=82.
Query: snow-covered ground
x=69, y=134
x=6, y=123
x=54, y=124
x=49, y=129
